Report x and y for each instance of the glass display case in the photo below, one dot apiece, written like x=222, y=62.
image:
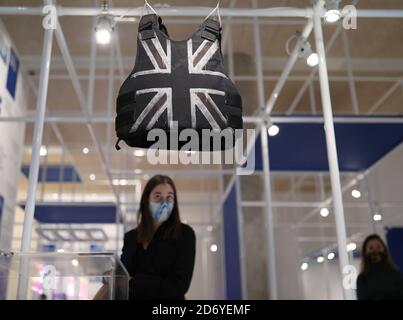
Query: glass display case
x=62, y=276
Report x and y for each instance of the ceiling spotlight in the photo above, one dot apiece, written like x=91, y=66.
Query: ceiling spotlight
x=351, y=246
x=273, y=130
x=377, y=217
x=306, y=53
x=333, y=13
x=320, y=259
x=312, y=59
x=304, y=266
x=139, y=153
x=86, y=150
x=104, y=29
x=92, y=177
x=330, y=256
x=43, y=151
x=356, y=193
x=213, y=248
x=74, y=262
x=324, y=212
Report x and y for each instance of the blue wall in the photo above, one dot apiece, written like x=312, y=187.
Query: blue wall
x=53, y=173
x=231, y=243
x=302, y=146
x=394, y=237
x=75, y=213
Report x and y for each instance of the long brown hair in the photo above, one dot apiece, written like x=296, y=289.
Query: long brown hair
x=145, y=228
x=365, y=264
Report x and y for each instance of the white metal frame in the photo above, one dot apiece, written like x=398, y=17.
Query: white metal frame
x=313, y=15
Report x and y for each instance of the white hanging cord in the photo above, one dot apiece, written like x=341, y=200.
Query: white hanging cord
x=217, y=8
x=147, y=5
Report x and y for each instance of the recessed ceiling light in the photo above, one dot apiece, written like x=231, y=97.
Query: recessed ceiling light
x=273, y=130
x=139, y=152
x=324, y=212
x=43, y=151
x=356, y=193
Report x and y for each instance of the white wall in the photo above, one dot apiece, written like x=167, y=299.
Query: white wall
x=386, y=185
x=11, y=139
x=208, y=279
x=287, y=263
x=320, y=285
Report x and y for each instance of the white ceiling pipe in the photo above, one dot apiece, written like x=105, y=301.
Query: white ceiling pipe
x=196, y=12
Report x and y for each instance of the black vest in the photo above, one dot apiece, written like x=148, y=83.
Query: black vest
x=176, y=81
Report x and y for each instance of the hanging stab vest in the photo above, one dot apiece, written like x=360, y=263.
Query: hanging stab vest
x=182, y=82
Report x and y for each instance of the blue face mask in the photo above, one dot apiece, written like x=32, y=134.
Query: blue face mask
x=161, y=211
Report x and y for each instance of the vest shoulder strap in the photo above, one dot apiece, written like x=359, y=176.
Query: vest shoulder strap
x=146, y=26
x=211, y=30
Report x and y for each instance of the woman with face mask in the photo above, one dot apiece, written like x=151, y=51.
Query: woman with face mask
x=159, y=253
x=379, y=278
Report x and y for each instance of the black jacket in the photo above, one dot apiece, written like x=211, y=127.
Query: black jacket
x=164, y=270
x=379, y=284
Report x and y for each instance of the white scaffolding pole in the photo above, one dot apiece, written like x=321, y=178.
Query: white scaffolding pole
x=74, y=117
x=241, y=238
x=270, y=253
x=296, y=78
x=191, y=11
x=351, y=83
x=287, y=70
x=35, y=158
x=240, y=220
x=382, y=99
x=92, y=71
x=77, y=88
x=331, y=147
x=110, y=104
x=221, y=239
x=371, y=206
x=270, y=247
x=194, y=11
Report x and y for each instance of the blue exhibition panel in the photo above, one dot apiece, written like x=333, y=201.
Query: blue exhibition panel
x=302, y=146
x=394, y=237
x=231, y=243
x=52, y=173
x=61, y=213
x=12, y=74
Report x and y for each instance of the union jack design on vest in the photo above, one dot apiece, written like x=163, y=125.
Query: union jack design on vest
x=176, y=81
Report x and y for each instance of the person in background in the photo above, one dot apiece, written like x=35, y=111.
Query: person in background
x=379, y=278
x=159, y=253
x=43, y=297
